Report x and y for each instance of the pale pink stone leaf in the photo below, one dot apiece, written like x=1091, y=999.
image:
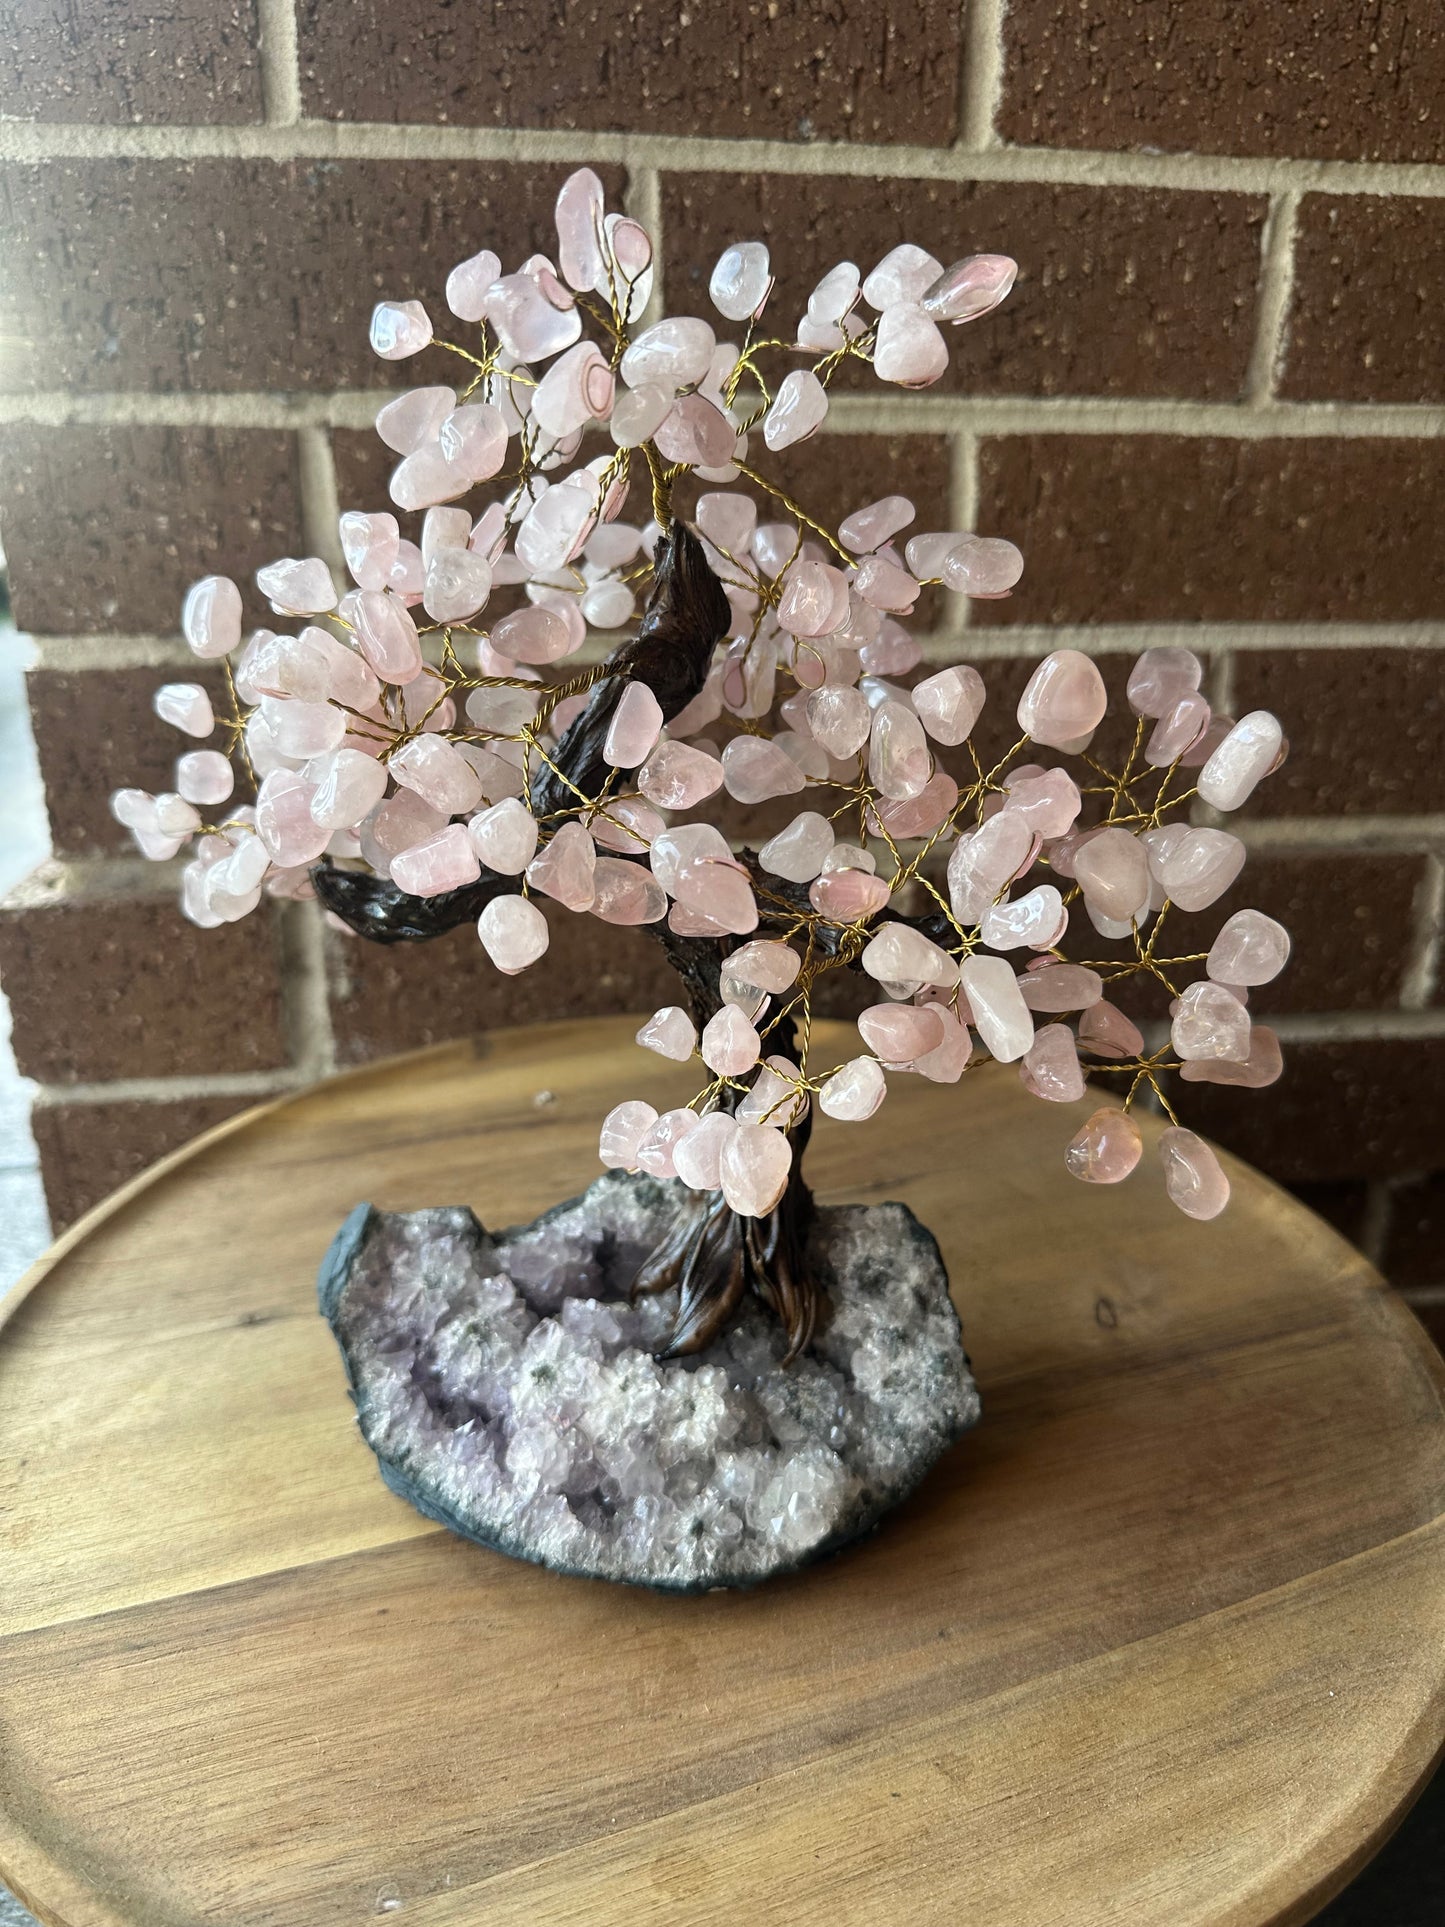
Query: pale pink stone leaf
x=211, y=616
x=1192, y=1174
x=514, y=934
x=1106, y=1150
x=399, y=329
x=670, y=1032
x=854, y=1091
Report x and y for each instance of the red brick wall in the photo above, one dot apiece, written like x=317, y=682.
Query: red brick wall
x=1210, y=413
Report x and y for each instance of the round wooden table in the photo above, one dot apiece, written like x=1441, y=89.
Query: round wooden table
x=1162, y=1642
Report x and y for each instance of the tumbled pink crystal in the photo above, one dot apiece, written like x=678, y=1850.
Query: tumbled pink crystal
x=670, y=1032
x=394, y=825
x=982, y=565
x=399, y=329
x=1247, y=753
x=1050, y=1067
x=560, y=403
x=558, y=524
x=535, y=634
x=848, y=896
x=527, y=324
x=899, y=954
x=899, y=763
x=1060, y=986
x=1036, y=921
x=905, y=274
x=625, y=1125
x=1113, y=867
x=884, y=584
x=1004, y=1023
x=658, y=1145
x=626, y=893
x=768, y=965
x=1161, y=678
x=211, y=616
x=444, y=862
x=185, y=706
x=300, y=587
x=949, y=703
x=921, y=815
x=672, y=354
x=348, y=785
x=676, y=776
x=854, y=1091
x=1048, y=803
x=730, y=1045
x=970, y=288
x=839, y=718
x=413, y=420
x=1104, y=1031
x=815, y=600
x=869, y=528
x=1192, y=1174
x=798, y=409
x=1251, y=948
x=910, y=351
x=1263, y=1065
x=386, y=636
x=693, y=863
x=741, y=280
x=986, y=859
x=564, y=868
x=638, y=413
x=899, y=1033
x=697, y=1154
x=947, y=1062
x=754, y=1167
x=505, y=836
x=634, y=729
x=438, y=773
x=580, y=213
x=1210, y=1022
x=774, y=1097
x=514, y=934
x=1064, y=700
x=204, y=776
x=457, y=585
x=425, y=477
x=472, y=441
x=284, y=821
x=754, y=769
x=696, y=433
x=1106, y=1149
x=798, y=851
x=628, y=824
x=1197, y=867
x=468, y=282
x=369, y=544
x=1177, y=730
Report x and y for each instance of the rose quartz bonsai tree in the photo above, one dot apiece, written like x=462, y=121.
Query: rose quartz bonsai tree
x=419, y=750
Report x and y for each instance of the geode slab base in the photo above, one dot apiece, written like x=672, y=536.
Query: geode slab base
x=509, y=1390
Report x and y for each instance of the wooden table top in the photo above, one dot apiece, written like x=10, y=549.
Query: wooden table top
x=1162, y=1642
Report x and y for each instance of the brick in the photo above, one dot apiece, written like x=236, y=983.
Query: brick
x=88, y=1150
x=1139, y=528
x=96, y=732
x=1369, y=282
x=226, y=274
x=118, y=61
x=1366, y=729
x=1327, y=81
x=1121, y=291
x=1342, y=1109
x=105, y=528
x=386, y=999
x=1415, y=1247
x=732, y=67
x=107, y=986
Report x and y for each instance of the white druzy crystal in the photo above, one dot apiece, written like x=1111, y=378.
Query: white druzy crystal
x=509, y=1388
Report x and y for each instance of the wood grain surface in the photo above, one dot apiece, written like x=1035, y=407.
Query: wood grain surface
x=1162, y=1642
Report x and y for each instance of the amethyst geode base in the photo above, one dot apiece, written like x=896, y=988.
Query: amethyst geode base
x=509, y=1390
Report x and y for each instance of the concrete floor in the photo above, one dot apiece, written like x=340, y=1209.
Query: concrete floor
x=1404, y=1887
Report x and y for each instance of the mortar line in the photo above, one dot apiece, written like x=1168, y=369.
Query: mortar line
x=320, y=507
x=306, y=1007
x=982, y=78
x=1421, y=975
x=642, y=199
x=963, y=489
x=1276, y=283
x=1357, y=1026
x=161, y=1090
x=1002, y=415
x=304, y=139
x=280, y=58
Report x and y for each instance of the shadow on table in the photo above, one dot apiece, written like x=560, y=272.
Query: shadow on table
x=1404, y=1886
